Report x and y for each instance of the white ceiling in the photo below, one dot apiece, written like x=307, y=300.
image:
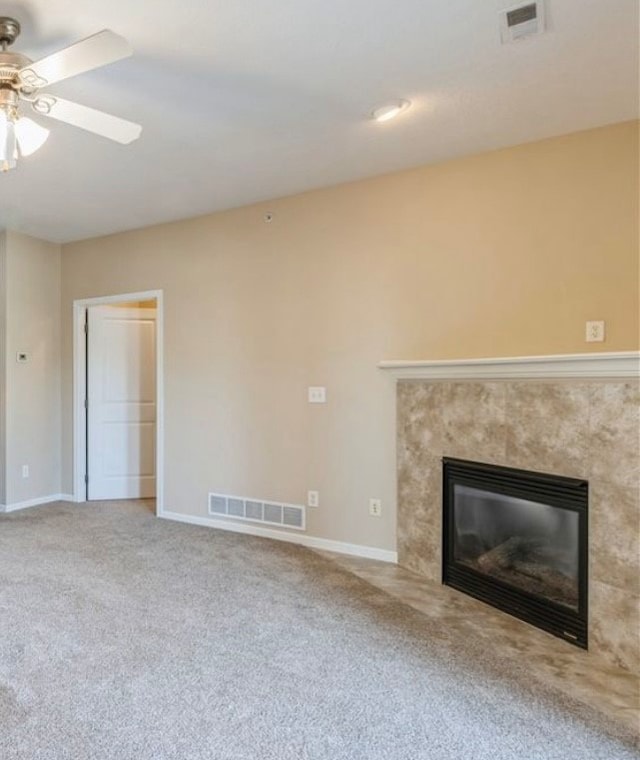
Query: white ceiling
x=245, y=100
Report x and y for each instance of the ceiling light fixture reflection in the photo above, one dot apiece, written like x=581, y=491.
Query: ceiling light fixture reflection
x=390, y=110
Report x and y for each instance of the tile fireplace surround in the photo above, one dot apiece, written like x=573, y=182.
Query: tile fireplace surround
x=566, y=418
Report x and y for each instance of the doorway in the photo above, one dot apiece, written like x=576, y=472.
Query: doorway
x=118, y=398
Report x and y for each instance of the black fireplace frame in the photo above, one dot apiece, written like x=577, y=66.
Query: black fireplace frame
x=556, y=490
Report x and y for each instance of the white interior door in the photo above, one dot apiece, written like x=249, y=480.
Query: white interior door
x=121, y=418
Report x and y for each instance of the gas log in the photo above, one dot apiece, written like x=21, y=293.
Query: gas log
x=505, y=554
x=526, y=557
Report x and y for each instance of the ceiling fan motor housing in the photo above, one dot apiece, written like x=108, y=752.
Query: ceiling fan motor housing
x=10, y=66
x=8, y=98
x=10, y=63
x=9, y=30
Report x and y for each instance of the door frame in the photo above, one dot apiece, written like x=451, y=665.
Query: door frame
x=80, y=389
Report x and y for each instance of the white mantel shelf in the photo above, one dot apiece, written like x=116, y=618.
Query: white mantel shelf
x=594, y=365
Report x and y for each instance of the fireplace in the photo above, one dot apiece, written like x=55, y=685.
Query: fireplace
x=518, y=541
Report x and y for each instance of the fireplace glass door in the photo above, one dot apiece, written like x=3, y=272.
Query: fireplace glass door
x=518, y=540
x=527, y=544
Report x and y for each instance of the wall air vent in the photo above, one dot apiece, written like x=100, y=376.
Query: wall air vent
x=521, y=21
x=253, y=510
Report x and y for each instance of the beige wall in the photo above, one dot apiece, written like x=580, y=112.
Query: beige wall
x=3, y=358
x=32, y=325
x=506, y=253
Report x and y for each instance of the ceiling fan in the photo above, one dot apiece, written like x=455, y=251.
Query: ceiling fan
x=21, y=82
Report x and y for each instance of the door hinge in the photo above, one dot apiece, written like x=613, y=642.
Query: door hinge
x=86, y=403
x=86, y=327
x=86, y=478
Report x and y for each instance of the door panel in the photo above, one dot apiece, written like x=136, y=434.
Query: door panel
x=121, y=402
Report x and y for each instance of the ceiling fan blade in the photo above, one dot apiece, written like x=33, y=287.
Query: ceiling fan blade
x=104, y=124
x=91, y=53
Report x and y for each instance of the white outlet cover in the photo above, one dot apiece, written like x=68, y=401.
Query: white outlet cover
x=313, y=498
x=375, y=507
x=317, y=394
x=594, y=332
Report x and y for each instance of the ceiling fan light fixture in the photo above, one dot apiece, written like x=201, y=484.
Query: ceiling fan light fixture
x=30, y=136
x=390, y=110
x=8, y=141
x=21, y=81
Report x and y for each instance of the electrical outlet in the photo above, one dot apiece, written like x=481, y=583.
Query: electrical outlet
x=375, y=507
x=313, y=498
x=25, y=470
x=317, y=395
x=594, y=332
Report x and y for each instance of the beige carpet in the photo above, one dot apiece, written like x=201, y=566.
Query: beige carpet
x=123, y=636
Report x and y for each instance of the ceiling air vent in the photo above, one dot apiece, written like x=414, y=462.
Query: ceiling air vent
x=521, y=21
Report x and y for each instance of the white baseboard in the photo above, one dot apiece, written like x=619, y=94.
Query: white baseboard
x=312, y=542
x=35, y=502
